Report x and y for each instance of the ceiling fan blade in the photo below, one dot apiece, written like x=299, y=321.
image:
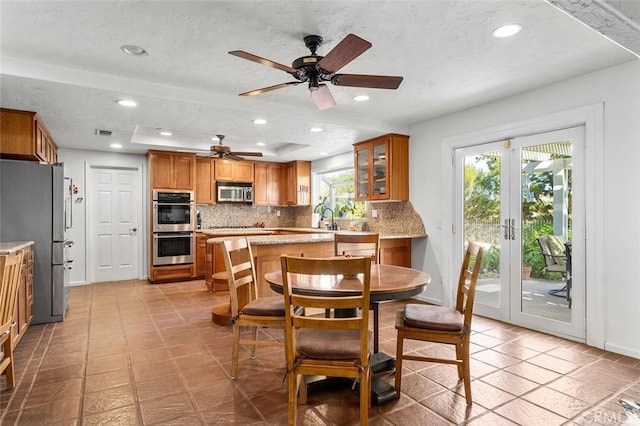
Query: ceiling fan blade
x=269, y=89
x=255, y=58
x=346, y=51
x=323, y=97
x=361, y=80
x=247, y=154
x=233, y=157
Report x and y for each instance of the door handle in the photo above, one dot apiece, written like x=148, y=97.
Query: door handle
x=133, y=229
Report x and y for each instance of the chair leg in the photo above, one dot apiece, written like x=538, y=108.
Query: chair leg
x=235, y=351
x=460, y=357
x=7, y=349
x=254, y=336
x=399, y=349
x=365, y=396
x=292, y=385
x=302, y=390
x=467, y=372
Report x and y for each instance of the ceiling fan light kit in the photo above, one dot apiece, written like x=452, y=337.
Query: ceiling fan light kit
x=316, y=70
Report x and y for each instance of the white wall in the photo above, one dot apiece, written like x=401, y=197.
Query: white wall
x=618, y=88
x=75, y=163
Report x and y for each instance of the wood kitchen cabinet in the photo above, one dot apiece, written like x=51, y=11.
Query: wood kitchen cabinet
x=382, y=168
x=24, y=309
x=172, y=170
x=233, y=170
x=395, y=251
x=201, y=254
x=297, y=183
x=25, y=137
x=266, y=186
x=205, y=181
x=171, y=273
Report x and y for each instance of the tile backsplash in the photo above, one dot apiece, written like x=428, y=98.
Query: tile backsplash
x=394, y=218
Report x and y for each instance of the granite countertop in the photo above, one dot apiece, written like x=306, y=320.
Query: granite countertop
x=263, y=240
x=9, y=247
x=264, y=236
x=328, y=231
x=236, y=231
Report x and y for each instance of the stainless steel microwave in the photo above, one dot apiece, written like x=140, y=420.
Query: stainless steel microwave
x=234, y=192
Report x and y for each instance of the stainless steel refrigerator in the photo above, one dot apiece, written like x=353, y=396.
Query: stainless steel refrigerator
x=32, y=208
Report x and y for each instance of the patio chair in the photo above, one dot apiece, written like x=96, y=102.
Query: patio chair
x=557, y=258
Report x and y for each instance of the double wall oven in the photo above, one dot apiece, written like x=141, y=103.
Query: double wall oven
x=174, y=227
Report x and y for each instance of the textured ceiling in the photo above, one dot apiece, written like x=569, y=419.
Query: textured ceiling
x=63, y=60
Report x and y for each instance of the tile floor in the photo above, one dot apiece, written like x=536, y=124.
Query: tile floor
x=132, y=353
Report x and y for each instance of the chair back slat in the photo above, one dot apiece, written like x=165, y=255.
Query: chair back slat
x=357, y=245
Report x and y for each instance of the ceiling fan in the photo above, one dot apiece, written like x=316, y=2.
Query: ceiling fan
x=224, y=151
x=316, y=69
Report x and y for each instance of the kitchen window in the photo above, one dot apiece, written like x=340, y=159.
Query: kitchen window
x=336, y=191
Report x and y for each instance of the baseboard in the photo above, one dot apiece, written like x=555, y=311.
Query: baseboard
x=634, y=353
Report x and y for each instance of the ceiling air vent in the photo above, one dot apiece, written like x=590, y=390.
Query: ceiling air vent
x=100, y=132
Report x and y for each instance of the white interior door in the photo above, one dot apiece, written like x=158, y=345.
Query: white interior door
x=510, y=193
x=114, y=224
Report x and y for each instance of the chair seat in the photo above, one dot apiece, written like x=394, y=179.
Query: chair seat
x=265, y=306
x=433, y=317
x=330, y=344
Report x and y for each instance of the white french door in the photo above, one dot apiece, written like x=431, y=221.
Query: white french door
x=510, y=193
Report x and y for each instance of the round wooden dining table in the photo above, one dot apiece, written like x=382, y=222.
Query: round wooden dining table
x=388, y=282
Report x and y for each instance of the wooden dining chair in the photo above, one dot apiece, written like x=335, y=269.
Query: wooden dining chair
x=441, y=324
x=10, y=267
x=360, y=245
x=247, y=310
x=357, y=245
x=333, y=347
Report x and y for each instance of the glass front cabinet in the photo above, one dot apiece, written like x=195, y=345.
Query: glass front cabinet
x=382, y=168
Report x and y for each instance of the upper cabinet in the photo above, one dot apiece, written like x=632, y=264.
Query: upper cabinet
x=297, y=179
x=234, y=170
x=25, y=137
x=205, y=183
x=267, y=183
x=171, y=170
x=382, y=168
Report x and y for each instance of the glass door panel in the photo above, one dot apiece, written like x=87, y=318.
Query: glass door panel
x=362, y=172
x=550, y=169
x=379, y=171
x=482, y=209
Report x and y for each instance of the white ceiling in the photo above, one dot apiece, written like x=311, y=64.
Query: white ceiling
x=63, y=60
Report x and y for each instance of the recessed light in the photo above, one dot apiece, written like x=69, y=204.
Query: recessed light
x=315, y=129
x=323, y=153
x=507, y=30
x=166, y=133
x=127, y=103
x=361, y=98
x=133, y=50
x=259, y=121
x=116, y=145
x=260, y=143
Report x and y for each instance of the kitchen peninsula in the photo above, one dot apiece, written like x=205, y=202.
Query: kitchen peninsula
x=268, y=245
